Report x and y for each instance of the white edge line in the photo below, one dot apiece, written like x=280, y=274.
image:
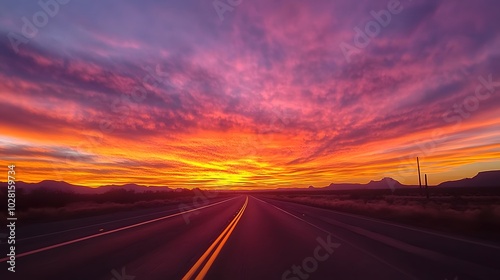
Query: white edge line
x=93, y=225
x=343, y=240
x=108, y=232
x=493, y=246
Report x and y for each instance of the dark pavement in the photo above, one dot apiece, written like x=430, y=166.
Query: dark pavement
x=267, y=239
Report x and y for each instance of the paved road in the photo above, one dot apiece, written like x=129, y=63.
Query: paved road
x=244, y=238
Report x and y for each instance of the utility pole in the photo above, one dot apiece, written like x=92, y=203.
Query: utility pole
x=426, y=187
x=419, y=177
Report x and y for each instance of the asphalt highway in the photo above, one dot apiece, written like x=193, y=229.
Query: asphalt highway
x=243, y=237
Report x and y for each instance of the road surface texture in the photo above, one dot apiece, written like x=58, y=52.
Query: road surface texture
x=244, y=237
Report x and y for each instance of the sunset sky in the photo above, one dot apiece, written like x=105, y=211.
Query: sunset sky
x=248, y=94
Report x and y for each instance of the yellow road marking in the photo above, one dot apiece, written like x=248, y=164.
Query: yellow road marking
x=214, y=249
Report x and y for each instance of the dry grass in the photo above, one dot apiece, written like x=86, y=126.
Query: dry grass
x=471, y=215
x=48, y=205
x=83, y=209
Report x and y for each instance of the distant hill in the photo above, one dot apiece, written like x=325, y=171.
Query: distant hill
x=385, y=183
x=52, y=185
x=135, y=187
x=482, y=179
x=67, y=187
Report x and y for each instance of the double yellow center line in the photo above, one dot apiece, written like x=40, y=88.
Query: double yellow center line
x=201, y=267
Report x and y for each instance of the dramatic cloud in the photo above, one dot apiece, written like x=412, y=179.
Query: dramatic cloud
x=265, y=94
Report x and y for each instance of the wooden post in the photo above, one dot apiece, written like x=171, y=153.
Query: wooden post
x=419, y=178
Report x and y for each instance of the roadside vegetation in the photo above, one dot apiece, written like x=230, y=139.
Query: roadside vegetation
x=45, y=204
x=467, y=211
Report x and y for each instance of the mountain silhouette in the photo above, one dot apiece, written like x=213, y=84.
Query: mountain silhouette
x=67, y=187
x=482, y=179
x=385, y=183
